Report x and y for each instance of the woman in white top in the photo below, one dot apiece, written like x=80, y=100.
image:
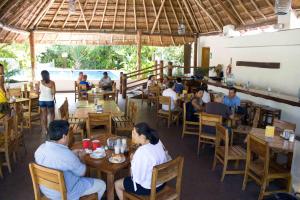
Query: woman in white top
x=149, y=154
x=46, y=90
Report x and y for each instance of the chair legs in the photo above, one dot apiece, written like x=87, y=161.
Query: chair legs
x=224, y=170
x=7, y=159
x=214, y=163
x=262, y=189
x=245, y=179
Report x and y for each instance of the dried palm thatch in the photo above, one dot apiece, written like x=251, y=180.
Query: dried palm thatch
x=115, y=22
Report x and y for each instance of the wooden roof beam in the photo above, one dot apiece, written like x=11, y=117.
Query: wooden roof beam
x=53, y=19
x=173, y=10
x=236, y=12
x=185, y=18
x=115, y=15
x=270, y=4
x=157, y=16
x=83, y=15
x=134, y=13
x=93, y=14
x=21, y=11
x=103, y=15
x=206, y=28
x=216, y=13
x=194, y=16
x=191, y=16
x=257, y=9
x=200, y=4
x=145, y=13
x=245, y=9
x=41, y=15
x=125, y=10
x=228, y=12
x=169, y=26
x=36, y=11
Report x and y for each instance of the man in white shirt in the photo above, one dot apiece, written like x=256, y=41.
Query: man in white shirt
x=105, y=82
x=172, y=94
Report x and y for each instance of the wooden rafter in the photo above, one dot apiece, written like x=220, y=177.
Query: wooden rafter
x=257, y=9
x=41, y=15
x=145, y=13
x=7, y=8
x=235, y=11
x=82, y=14
x=206, y=28
x=157, y=16
x=59, y=7
x=185, y=18
x=21, y=11
x=93, y=14
x=103, y=15
x=125, y=10
x=3, y=3
x=216, y=13
x=246, y=10
x=66, y=20
x=155, y=13
x=228, y=12
x=191, y=16
x=79, y=18
x=134, y=13
x=170, y=30
x=176, y=18
x=37, y=9
x=194, y=16
x=207, y=14
x=115, y=15
x=270, y=4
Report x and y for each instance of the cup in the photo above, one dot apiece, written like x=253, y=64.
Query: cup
x=286, y=134
x=292, y=137
x=86, y=143
x=122, y=148
x=95, y=144
x=118, y=142
x=124, y=141
x=117, y=149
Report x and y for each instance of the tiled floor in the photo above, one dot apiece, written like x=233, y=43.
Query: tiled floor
x=199, y=181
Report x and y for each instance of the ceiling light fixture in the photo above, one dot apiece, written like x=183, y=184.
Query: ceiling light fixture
x=181, y=28
x=282, y=7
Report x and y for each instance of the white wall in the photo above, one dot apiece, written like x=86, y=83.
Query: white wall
x=283, y=47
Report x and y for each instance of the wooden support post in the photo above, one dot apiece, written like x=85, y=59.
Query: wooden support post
x=2, y=78
x=121, y=83
x=124, y=86
x=196, y=52
x=170, y=69
x=139, y=50
x=32, y=54
x=187, y=58
x=155, y=68
x=161, y=70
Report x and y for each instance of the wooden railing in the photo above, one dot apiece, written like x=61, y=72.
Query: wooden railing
x=137, y=78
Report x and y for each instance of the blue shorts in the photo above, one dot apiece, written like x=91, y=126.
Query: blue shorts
x=129, y=187
x=46, y=104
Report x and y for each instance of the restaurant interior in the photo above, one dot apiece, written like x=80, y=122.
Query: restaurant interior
x=229, y=124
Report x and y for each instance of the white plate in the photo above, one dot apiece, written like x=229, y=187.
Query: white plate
x=97, y=155
x=115, y=162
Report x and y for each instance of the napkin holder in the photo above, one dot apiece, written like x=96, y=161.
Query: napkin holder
x=269, y=131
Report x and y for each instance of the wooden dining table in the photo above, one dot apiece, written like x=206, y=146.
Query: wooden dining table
x=104, y=166
x=84, y=107
x=277, y=143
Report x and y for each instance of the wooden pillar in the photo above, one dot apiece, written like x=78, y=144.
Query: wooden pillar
x=121, y=83
x=139, y=50
x=196, y=51
x=170, y=69
x=155, y=68
x=32, y=54
x=161, y=70
x=124, y=85
x=187, y=58
x=2, y=77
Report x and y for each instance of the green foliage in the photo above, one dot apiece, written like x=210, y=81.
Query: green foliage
x=108, y=57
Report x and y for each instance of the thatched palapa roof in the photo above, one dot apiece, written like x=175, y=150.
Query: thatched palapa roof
x=118, y=21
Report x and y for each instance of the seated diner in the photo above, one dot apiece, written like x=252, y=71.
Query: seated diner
x=179, y=86
x=85, y=82
x=169, y=92
x=105, y=82
x=232, y=100
x=80, y=77
x=195, y=105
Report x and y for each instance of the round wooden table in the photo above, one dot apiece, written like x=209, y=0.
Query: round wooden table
x=103, y=165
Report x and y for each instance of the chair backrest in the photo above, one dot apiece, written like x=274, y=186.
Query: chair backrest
x=222, y=138
x=154, y=90
x=16, y=92
x=64, y=110
x=19, y=115
x=165, y=172
x=71, y=138
x=98, y=119
x=34, y=105
x=260, y=148
x=10, y=131
x=164, y=100
x=210, y=119
x=256, y=117
x=82, y=91
x=281, y=125
x=133, y=111
x=49, y=178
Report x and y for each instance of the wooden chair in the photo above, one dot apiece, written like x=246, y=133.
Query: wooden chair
x=77, y=125
x=33, y=113
x=125, y=117
x=19, y=121
x=82, y=92
x=71, y=138
x=207, y=120
x=245, y=129
x=9, y=141
x=127, y=126
x=14, y=92
x=51, y=179
x=111, y=96
x=261, y=170
x=281, y=125
x=225, y=153
x=152, y=95
x=171, y=116
x=161, y=174
x=189, y=127
x=98, y=119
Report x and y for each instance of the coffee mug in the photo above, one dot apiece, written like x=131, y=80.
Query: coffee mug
x=86, y=143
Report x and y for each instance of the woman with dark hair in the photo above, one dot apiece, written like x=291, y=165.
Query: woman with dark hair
x=46, y=90
x=150, y=153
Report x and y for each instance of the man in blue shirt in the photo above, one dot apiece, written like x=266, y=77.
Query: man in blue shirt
x=179, y=86
x=232, y=100
x=55, y=154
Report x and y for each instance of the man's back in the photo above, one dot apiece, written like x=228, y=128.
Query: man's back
x=172, y=94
